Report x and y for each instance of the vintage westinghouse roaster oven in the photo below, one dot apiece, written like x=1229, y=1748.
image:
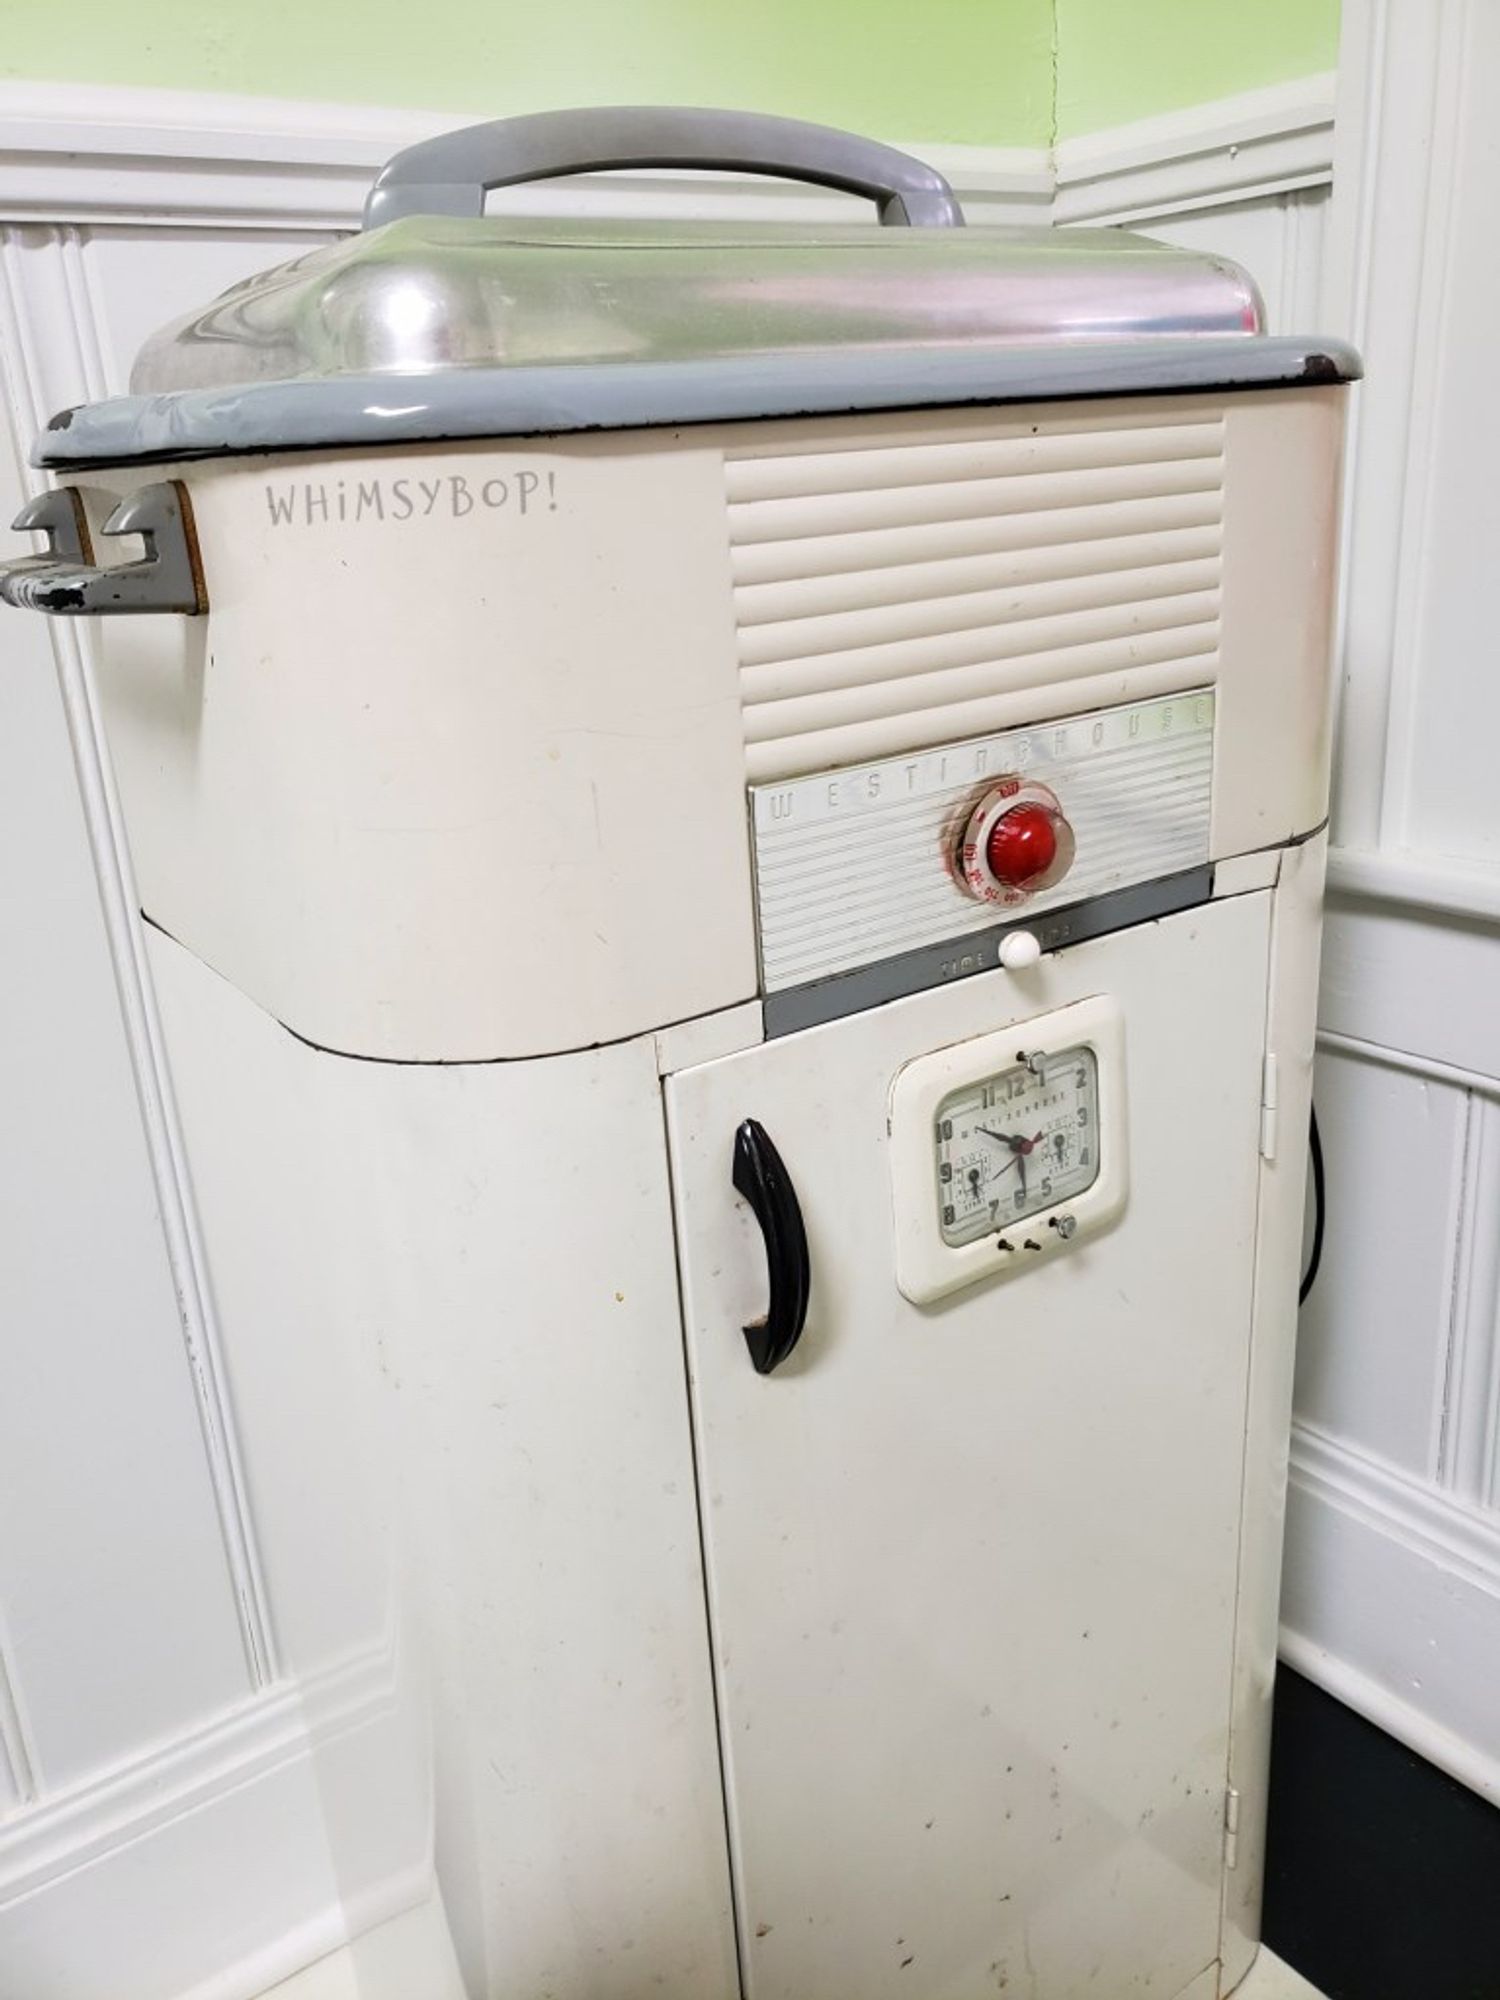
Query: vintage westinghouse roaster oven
x=730, y=821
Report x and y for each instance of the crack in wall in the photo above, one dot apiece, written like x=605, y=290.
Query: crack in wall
x=1055, y=80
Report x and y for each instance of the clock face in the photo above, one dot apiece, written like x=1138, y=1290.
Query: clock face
x=1008, y=1149
x=1011, y=1144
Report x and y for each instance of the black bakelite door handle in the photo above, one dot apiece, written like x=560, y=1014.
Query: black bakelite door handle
x=760, y=1175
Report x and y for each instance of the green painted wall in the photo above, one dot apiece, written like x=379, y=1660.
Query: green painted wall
x=1125, y=59
x=978, y=71
x=975, y=71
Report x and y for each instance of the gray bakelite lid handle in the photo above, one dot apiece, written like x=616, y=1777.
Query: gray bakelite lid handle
x=451, y=175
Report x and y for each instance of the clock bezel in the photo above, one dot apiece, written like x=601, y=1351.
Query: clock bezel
x=1074, y=1055
x=929, y=1268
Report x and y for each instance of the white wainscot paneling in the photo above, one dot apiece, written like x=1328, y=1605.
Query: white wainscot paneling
x=140, y=279
x=117, y=1600
x=1246, y=178
x=1373, y=1344
x=1277, y=237
x=1412, y=279
x=1411, y=1078
x=1417, y=981
x=178, y=1814
x=1392, y=1595
x=1441, y=795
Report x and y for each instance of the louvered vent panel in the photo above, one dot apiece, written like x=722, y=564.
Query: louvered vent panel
x=894, y=597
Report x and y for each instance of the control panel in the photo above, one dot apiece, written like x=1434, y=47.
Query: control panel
x=919, y=863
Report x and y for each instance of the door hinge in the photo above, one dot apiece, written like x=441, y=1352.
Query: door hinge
x=1268, y=1106
x=1231, y=1826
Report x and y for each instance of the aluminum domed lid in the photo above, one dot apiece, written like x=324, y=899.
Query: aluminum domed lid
x=438, y=321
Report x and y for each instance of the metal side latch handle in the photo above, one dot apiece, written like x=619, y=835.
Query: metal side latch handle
x=760, y=1175
x=67, y=583
x=60, y=516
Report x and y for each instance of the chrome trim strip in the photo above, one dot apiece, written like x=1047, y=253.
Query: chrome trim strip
x=936, y=964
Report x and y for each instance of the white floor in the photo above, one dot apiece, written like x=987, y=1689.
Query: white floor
x=383, y=1966
x=409, y=1958
x=1271, y=1980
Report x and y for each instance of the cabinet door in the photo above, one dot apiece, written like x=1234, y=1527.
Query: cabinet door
x=972, y=1565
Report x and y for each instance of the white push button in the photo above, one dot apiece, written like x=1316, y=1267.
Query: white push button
x=1018, y=949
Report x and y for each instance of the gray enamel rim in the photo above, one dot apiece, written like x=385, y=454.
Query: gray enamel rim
x=367, y=412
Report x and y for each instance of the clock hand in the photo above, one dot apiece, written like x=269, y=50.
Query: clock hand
x=1012, y=1139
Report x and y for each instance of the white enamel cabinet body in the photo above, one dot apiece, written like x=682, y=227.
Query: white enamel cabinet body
x=635, y=739
x=473, y=904
x=474, y=1447
x=972, y=1565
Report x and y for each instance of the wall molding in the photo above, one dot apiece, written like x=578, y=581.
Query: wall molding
x=1240, y=148
x=17, y=1770
x=1410, y=880
x=1418, y=1574
x=240, y=1806
x=105, y=155
x=95, y=153
x=1398, y=1718
x=87, y=1823
x=1411, y=1065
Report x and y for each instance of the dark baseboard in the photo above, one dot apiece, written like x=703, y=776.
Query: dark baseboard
x=1383, y=1874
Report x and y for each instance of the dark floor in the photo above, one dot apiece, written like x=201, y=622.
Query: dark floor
x=1383, y=1875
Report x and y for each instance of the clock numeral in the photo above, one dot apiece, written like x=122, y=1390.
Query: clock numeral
x=1014, y=1142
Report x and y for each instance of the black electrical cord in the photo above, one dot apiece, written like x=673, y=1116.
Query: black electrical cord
x=1315, y=1257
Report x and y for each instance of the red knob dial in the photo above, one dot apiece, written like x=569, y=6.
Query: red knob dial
x=1022, y=845
x=1017, y=842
